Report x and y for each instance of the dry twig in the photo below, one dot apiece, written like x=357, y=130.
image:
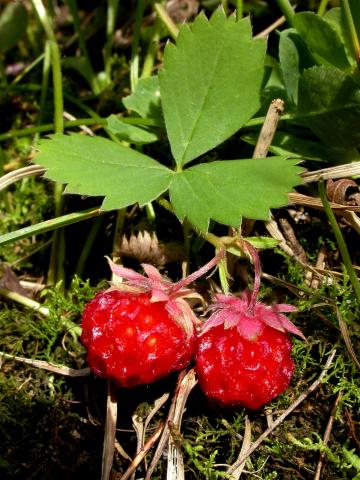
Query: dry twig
x=326, y=438
x=280, y=21
x=268, y=129
x=51, y=367
x=140, y=456
x=346, y=337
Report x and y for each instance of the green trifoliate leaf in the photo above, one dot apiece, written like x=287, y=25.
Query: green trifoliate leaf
x=322, y=39
x=227, y=190
x=210, y=83
x=100, y=167
x=130, y=133
x=329, y=104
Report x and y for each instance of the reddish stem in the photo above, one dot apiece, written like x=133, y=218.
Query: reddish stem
x=257, y=268
x=195, y=275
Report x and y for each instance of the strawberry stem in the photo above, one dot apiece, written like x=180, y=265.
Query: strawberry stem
x=257, y=268
x=195, y=275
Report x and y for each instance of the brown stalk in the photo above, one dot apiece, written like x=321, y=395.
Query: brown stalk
x=51, y=367
x=140, y=456
x=326, y=437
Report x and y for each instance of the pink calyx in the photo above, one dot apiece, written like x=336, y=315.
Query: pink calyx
x=232, y=311
x=246, y=313
x=162, y=289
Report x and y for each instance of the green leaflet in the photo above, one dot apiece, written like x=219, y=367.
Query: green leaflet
x=100, y=167
x=130, y=133
x=227, y=190
x=222, y=190
x=336, y=18
x=322, y=38
x=329, y=103
x=210, y=83
x=294, y=56
x=145, y=100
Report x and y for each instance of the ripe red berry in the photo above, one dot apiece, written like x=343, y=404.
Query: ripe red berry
x=133, y=341
x=244, y=352
x=142, y=329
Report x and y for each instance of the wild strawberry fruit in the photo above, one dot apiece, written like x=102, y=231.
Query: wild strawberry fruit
x=244, y=351
x=141, y=330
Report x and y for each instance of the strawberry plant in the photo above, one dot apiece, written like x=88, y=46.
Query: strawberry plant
x=128, y=132
x=209, y=88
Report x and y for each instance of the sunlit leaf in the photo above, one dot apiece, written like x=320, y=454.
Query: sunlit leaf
x=210, y=83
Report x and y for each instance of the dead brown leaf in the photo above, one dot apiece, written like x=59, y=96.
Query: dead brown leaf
x=10, y=281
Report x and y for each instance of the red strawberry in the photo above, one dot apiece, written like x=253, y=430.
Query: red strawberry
x=243, y=358
x=243, y=351
x=141, y=330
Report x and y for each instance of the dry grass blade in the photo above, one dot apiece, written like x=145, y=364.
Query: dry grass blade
x=236, y=474
x=139, y=429
x=140, y=425
x=346, y=337
x=315, y=202
x=340, y=171
x=51, y=367
x=175, y=464
x=274, y=230
x=121, y=451
x=84, y=128
x=166, y=431
x=140, y=456
x=282, y=417
x=353, y=219
x=110, y=430
x=19, y=174
x=157, y=405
